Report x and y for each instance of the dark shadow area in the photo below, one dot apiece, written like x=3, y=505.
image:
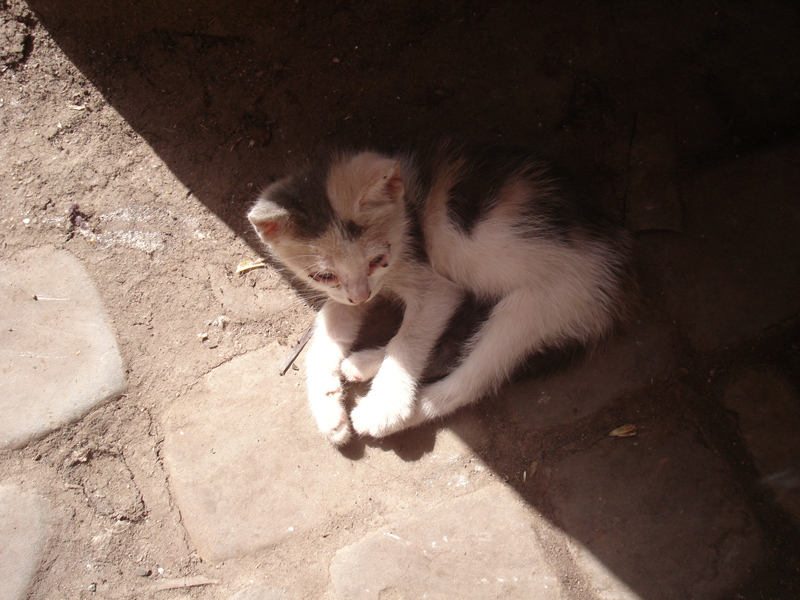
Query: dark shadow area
x=228, y=92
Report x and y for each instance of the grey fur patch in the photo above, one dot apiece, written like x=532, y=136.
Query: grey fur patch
x=305, y=197
x=352, y=230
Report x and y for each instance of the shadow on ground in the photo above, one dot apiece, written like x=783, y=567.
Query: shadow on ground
x=226, y=92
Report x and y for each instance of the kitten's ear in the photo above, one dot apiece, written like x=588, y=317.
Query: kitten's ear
x=387, y=189
x=269, y=220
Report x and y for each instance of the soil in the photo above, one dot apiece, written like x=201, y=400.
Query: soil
x=136, y=134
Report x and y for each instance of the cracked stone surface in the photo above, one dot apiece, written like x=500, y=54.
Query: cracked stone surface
x=652, y=200
x=277, y=476
x=135, y=135
x=482, y=545
x=59, y=355
x=737, y=274
x=659, y=510
x=24, y=529
x=768, y=410
x=628, y=364
x=259, y=593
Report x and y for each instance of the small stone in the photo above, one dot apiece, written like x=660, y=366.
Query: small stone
x=144, y=571
x=221, y=321
x=92, y=587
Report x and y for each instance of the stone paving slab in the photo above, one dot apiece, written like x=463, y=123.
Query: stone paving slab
x=736, y=271
x=652, y=201
x=259, y=593
x=629, y=363
x=768, y=407
x=59, y=355
x=482, y=545
x=660, y=511
x=24, y=529
x=248, y=468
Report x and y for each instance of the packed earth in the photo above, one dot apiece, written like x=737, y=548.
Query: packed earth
x=149, y=446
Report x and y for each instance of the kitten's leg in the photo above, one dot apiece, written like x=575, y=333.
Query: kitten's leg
x=521, y=323
x=364, y=364
x=390, y=401
x=335, y=331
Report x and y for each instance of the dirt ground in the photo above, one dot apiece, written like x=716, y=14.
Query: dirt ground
x=135, y=135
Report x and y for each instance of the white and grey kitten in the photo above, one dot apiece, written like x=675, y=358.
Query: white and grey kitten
x=431, y=231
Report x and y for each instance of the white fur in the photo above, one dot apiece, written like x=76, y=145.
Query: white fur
x=335, y=331
x=363, y=365
x=391, y=399
x=547, y=291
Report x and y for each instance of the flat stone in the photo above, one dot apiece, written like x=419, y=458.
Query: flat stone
x=482, y=545
x=24, y=529
x=259, y=592
x=596, y=576
x=630, y=362
x=656, y=515
x=60, y=358
x=768, y=407
x=735, y=273
x=248, y=297
x=652, y=201
x=248, y=468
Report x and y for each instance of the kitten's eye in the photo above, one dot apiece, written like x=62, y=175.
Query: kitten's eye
x=377, y=262
x=323, y=277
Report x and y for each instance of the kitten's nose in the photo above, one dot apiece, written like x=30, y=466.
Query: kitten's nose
x=359, y=299
x=358, y=295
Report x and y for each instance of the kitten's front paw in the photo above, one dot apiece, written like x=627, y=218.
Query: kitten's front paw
x=380, y=415
x=363, y=365
x=331, y=417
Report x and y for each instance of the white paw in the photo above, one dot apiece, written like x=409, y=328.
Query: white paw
x=379, y=415
x=330, y=415
x=363, y=365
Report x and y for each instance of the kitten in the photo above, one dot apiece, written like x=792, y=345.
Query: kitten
x=496, y=227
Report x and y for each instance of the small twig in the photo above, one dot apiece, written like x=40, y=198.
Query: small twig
x=181, y=582
x=298, y=348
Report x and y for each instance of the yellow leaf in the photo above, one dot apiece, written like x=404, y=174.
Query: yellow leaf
x=624, y=431
x=248, y=265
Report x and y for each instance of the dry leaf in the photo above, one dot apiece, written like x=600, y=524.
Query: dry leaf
x=624, y=431
x=248, y=265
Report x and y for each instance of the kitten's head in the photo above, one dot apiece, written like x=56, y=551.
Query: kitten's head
x=339, y=225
